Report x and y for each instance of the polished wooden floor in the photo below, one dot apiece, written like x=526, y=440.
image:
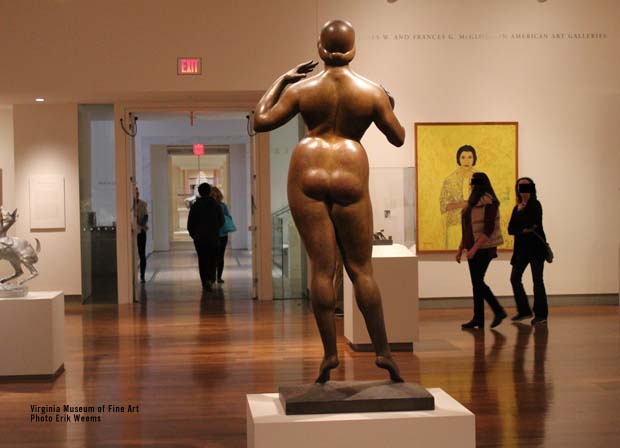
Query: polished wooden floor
x=189, y=360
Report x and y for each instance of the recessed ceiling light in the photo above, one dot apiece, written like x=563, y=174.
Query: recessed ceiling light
x=40, y=100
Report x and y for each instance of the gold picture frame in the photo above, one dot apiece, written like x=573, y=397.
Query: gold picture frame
x=442, y=182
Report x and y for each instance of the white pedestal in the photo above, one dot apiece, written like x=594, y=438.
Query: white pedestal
x=449, y=425
x=396, y=273
x=32, y=332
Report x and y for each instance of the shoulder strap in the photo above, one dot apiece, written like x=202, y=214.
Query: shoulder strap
x=539, y=237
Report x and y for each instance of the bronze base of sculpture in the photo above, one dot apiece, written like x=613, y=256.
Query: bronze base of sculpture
x=337, y=397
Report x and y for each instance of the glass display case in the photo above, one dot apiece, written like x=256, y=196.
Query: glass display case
x=97, y=202
x=393, y=196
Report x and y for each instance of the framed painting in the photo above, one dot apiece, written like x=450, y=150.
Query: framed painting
x=47, y=202
x=447, y=155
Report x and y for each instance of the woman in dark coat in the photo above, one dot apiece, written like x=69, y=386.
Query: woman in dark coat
x=527, y=228
x=203, y=224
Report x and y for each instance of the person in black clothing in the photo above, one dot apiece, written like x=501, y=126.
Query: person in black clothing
x=142, y=218
x=526, y=225
x=481, y=234
x=203, y=224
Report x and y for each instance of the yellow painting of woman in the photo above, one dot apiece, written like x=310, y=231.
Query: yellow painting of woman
x=447, y=155
x=454, y=194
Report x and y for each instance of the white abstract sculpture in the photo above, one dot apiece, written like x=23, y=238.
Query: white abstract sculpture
x=18, y=252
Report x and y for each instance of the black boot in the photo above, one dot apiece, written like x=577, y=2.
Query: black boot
x=473, y=324
x=519, y=317
x=499, y=317
x=539, y=321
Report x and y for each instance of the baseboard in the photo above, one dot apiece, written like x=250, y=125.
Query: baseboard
x=508, y=301
x=394, y=346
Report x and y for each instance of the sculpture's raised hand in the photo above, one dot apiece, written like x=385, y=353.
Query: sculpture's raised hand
x=299, y=72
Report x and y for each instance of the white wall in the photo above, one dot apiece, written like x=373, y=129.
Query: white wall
x=7, y=165
x=7, y=160
x=565, y=94
x=46, y=142
x=107, y=50
x=159, y=200
x=239, y=201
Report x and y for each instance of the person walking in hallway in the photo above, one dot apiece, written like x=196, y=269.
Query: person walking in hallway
x=527, y=228
x=142, y=218
x=203, y=224
x=481, y=234
x=228, y=227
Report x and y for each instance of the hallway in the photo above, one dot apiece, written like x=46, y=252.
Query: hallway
x=173, y=275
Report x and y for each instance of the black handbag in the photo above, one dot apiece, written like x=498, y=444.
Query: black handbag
x=548, y=251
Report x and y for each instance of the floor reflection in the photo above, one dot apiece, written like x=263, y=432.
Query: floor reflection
x=212, y=302
x=484, y=393
x=510, y=412
x=173, y=275
x=532, y=392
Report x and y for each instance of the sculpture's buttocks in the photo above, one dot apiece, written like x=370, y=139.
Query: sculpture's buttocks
x=330, y=169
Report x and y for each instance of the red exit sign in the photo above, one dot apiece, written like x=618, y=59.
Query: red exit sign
x=189, y=66
x=199, y=149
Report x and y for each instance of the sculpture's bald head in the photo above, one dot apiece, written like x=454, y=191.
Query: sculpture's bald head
x=337, y=42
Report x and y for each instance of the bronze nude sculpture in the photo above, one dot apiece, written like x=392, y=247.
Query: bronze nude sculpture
x=328, y=179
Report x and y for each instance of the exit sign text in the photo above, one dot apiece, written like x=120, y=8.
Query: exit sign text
x=189, y=66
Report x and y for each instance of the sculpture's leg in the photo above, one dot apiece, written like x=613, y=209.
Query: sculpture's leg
x=33, y=273
x=16, y=264
x=316, y=229
x=354, y=231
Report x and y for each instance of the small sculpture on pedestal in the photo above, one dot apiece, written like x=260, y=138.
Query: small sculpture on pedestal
x=18, y=252
x=379, y=239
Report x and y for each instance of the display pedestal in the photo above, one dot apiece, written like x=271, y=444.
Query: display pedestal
x=396, y=273
x=449, y=425
x=32, y=333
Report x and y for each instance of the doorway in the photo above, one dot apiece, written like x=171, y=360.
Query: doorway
x=167, y=175
x=268, y=282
